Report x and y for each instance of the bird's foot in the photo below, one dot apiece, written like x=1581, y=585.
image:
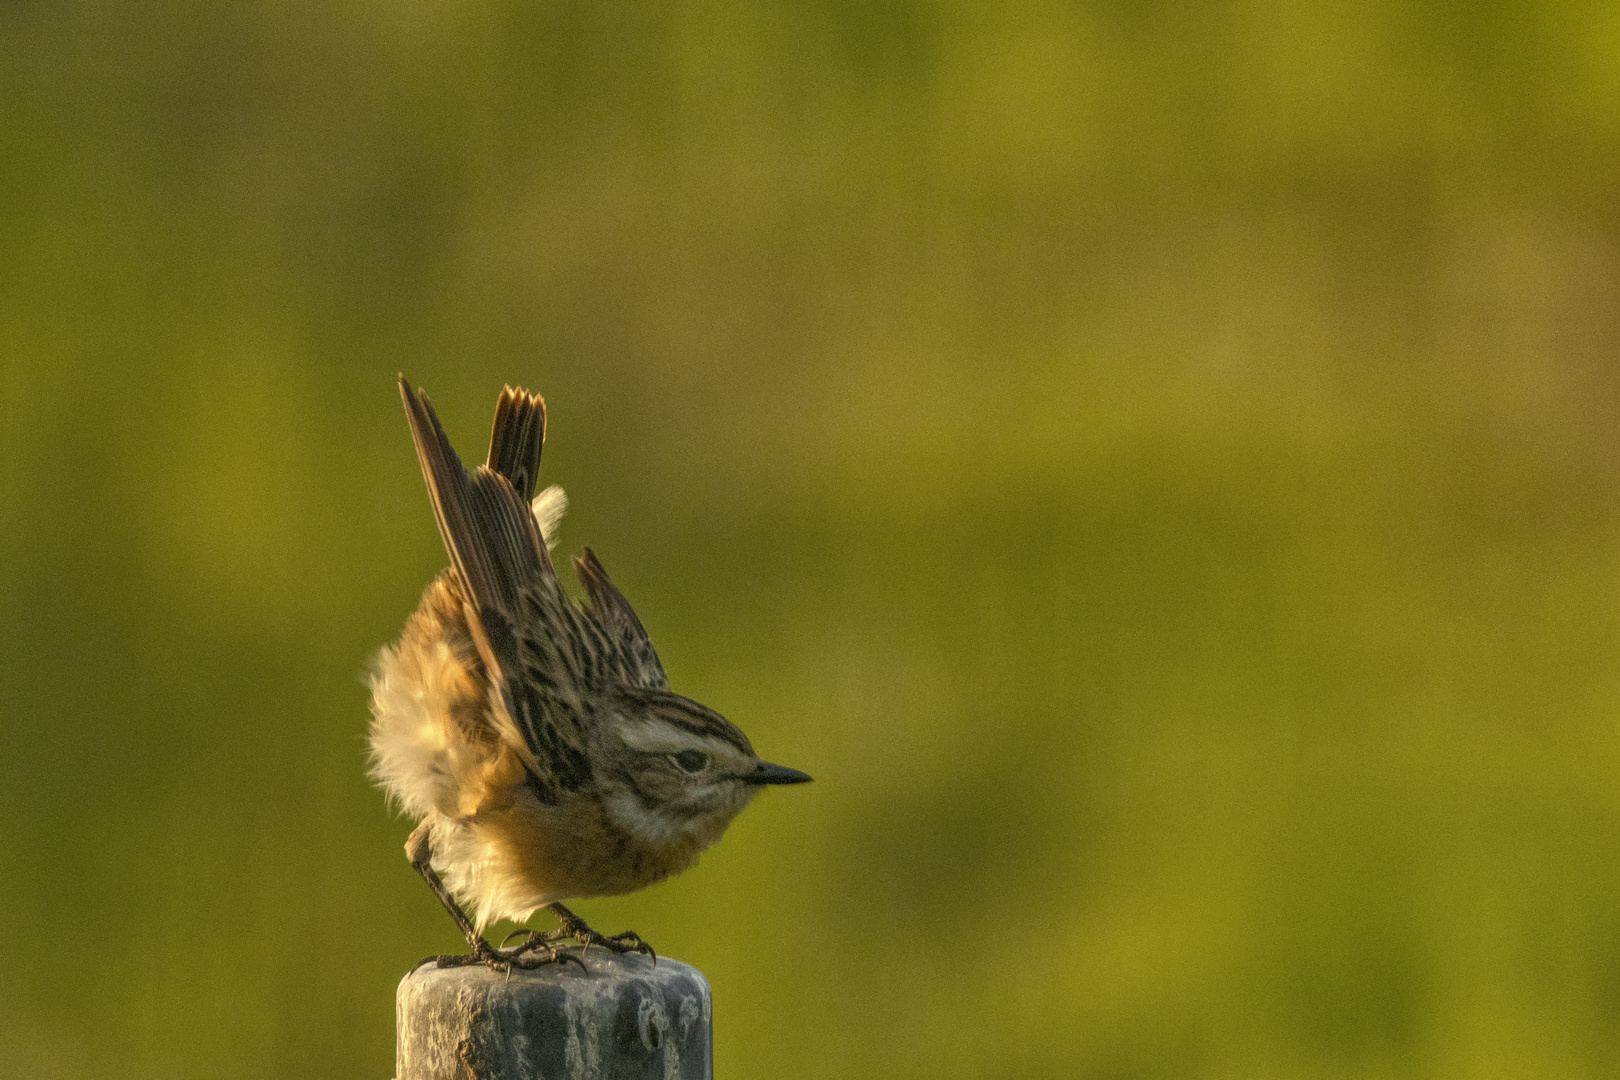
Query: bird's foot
x=574, y=928
x=525, y=957
x=629, y=941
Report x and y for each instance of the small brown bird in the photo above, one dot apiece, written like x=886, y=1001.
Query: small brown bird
x=537, y=740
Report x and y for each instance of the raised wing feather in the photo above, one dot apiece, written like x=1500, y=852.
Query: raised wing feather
x=496, y=549
x=637, y=660
x=487, y=528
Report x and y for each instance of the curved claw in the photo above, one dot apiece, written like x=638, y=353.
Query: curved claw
x=633, y=943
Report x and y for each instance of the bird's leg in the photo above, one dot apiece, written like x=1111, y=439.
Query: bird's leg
x=419, y=849
x=575, y=927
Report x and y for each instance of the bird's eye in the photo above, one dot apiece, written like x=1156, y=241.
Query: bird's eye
x=690, y=760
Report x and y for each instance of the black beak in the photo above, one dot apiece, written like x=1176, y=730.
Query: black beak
x=775, y=774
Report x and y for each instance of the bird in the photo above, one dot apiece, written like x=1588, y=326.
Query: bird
x=533, y=737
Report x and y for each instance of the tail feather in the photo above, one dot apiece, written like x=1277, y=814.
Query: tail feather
x=517, y=439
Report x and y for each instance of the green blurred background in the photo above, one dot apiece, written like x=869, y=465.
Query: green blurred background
x=1154, y=465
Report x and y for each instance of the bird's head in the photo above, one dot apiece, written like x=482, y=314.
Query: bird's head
x=684, y=771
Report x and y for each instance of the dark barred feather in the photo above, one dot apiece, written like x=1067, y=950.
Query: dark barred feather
x=627, y=638
x=517, y=439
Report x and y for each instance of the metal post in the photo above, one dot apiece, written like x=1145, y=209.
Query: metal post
x=624, y=1017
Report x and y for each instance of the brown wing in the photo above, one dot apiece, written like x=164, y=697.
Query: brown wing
x=496, y=549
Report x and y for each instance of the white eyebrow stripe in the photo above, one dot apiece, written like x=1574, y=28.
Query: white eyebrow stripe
x=661, y=737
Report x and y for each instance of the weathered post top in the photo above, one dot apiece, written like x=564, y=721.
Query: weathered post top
x=623, y=1017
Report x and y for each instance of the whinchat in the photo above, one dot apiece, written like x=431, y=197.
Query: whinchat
x=537, y=739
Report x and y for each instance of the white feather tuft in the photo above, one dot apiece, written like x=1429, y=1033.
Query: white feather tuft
x=549, y=507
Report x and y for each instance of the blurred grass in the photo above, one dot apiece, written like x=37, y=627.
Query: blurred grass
x=1154, y=466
